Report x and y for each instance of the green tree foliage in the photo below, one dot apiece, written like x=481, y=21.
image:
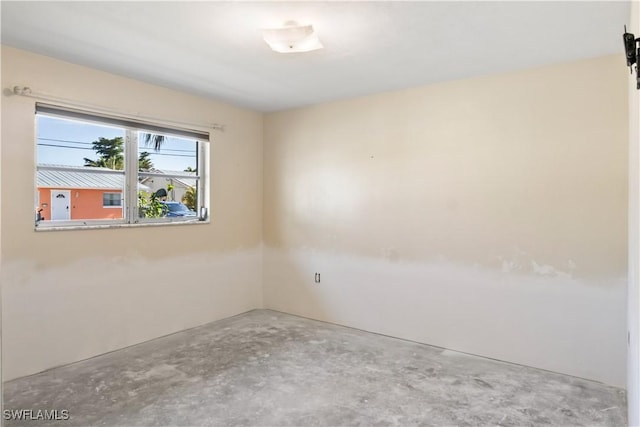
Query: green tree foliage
x=149, y=206
x=110, y=154
x=144, y=162
x=190, y=198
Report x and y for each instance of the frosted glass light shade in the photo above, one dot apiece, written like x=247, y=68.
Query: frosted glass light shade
x=292, y=39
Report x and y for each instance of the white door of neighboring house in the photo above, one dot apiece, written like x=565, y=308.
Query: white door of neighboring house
x=60, y=205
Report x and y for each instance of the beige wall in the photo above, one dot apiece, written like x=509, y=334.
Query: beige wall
x=633, y=355
x=70, y=295
x=486, y=215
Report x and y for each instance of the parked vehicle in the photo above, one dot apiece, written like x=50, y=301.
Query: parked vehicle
x=177, y=209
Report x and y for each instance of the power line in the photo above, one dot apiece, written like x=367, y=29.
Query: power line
x=91, y=143
x=172, y=155
x=65, y=140
x=91, y=149
x=172, y=149
x=65, y=146
x=168, y=154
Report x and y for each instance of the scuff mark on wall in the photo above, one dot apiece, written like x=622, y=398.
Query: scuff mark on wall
x=521, y=262
x=548, y=270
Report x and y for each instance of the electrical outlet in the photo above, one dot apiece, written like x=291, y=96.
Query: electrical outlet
x=317, y=278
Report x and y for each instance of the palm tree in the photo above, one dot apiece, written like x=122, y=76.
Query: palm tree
x=155, y=140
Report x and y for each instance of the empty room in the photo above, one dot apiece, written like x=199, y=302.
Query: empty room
x=320, y=213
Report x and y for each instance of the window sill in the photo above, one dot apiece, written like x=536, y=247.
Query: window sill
x=119, y=225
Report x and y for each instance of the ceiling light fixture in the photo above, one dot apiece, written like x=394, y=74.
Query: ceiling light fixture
x=292, y=38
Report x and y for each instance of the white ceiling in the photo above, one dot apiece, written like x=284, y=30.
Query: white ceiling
x=216, y=49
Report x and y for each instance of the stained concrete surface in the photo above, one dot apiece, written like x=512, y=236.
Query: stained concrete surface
x=265, y=368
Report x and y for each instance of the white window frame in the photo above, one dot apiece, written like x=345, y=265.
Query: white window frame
x=129, y=205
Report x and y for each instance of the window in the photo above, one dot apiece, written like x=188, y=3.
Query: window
x=110, y=200
x=95, y=170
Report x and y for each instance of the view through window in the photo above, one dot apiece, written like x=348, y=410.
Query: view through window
x=94, y=170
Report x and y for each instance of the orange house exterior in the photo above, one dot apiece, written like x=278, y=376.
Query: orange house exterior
x=79, y=193
x=85, y=203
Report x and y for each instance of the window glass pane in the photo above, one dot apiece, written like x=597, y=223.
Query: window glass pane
x=111, y=199
x=77, y=162
x=168, y=167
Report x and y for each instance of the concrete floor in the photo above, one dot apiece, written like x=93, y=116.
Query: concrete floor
x=271, y=369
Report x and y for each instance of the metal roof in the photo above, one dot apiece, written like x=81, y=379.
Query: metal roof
x=185, y=182
x=54, y=176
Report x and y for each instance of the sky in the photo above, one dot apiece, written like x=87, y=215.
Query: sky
x=68, y=142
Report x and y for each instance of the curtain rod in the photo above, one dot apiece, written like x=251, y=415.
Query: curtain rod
x=28, y=92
